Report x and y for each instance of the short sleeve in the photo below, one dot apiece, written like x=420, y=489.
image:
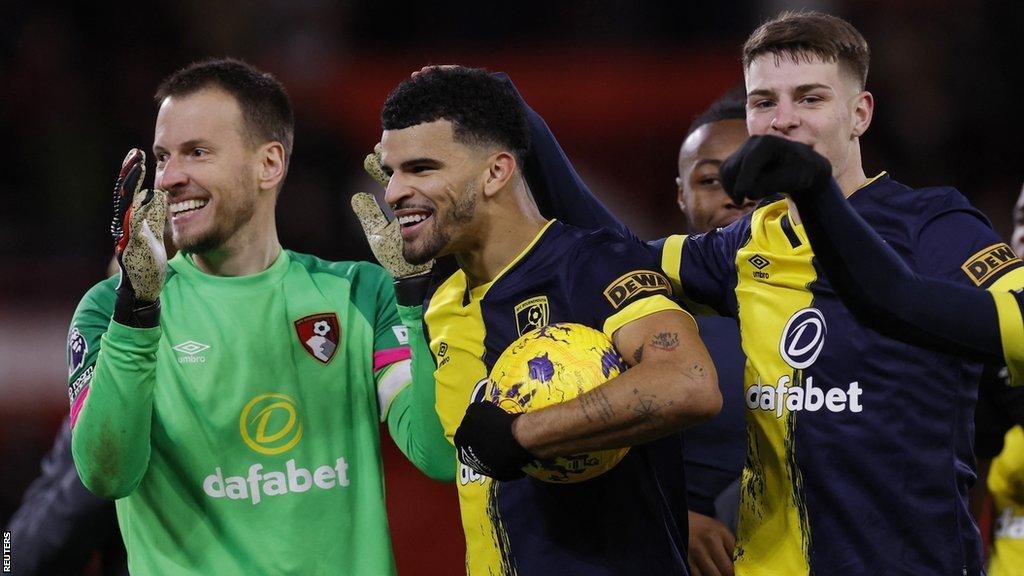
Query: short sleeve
x=703, y=266
x=614, y=281
x=955, y=241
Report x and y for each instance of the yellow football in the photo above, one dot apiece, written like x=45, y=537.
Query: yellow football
x=551, y=365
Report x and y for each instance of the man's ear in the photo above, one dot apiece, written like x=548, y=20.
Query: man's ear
x=680, y=195
x=271, y=169
x=863, y=109
x=501, y=166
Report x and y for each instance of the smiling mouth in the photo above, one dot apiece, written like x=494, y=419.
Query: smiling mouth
x=407, y=221
x=186, y=207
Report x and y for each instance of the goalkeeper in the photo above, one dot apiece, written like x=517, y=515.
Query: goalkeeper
x=230, y=399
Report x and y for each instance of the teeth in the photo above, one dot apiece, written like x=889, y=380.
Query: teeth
x=412, y=219
x=179, y=207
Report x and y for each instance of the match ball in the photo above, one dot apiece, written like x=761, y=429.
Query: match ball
x=551, y=365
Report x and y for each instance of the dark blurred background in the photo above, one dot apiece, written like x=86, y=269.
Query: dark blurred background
x=618, y=81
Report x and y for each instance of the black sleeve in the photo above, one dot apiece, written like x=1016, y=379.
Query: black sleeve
x=557, y=188
x=882, y=292
x=60, y=524
x=991, y=419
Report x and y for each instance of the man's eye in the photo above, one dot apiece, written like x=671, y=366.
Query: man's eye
x=420, y=169
x=811, y=99
x=709, y=181
x=199, y=153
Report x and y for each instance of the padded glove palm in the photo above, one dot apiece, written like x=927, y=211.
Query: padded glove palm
x=138, y=230
x=385, y=239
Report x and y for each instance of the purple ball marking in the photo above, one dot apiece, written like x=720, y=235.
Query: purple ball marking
x=513, y=391
x=610, y=359
x=541, y=368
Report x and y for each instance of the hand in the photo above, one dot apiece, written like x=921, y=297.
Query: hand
x=385, y=239
x=768, y=165
x=485, y=443
x=138, y=230
x=711, y=545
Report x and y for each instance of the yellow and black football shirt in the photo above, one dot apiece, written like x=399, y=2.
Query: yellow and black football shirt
x=859, y=446
x=630, y=520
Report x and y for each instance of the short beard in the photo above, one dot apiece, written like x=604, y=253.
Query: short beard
x=222, y=231
x=462, y=212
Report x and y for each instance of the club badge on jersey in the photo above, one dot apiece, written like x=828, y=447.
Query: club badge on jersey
x=320, y=335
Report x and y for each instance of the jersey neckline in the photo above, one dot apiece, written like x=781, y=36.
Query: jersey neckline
x=183, y=264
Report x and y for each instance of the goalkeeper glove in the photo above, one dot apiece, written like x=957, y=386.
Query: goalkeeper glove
x=385, y=238
x=138, y=230
x=768, y=165
x=485, y=443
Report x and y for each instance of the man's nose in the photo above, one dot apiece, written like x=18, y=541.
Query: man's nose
x=170, y=175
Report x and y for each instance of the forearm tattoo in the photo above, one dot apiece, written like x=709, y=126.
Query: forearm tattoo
x=596, y=406
x=647, y=406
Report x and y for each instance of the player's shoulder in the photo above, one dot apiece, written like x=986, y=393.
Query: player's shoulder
x=574, y=241
x=100, y=298
x=729, y=238
x=350, y=270
x=914, y=203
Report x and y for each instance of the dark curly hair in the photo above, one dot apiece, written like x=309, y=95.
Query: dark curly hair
x=482, y=109
x=265, y=105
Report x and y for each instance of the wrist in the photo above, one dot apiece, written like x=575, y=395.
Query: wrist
x=516, y=432
x=411, y=290
x=130, y=312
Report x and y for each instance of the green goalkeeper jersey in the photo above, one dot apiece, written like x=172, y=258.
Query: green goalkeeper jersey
x=241, y=436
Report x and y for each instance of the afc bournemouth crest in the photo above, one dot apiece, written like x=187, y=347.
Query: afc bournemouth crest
x=319, y=335
x=531, y=314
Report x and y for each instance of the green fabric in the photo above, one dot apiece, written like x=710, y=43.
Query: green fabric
x=232, y=447
x=412, y=420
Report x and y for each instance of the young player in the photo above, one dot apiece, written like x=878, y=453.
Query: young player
x=230, y=398
x=886, y=293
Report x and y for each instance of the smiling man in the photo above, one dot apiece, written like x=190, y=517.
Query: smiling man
x=859, y=445
x=713, y=136
x=453, y=143
x=230, y=399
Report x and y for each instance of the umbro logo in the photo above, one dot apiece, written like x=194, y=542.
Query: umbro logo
x=759, y=262
x=442, y=354
x=189, y=352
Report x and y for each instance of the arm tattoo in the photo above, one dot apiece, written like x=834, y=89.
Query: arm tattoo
x=647, y=407
x=638, y=355
x=698, y=371
x=596, y=406
x=665, y=341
